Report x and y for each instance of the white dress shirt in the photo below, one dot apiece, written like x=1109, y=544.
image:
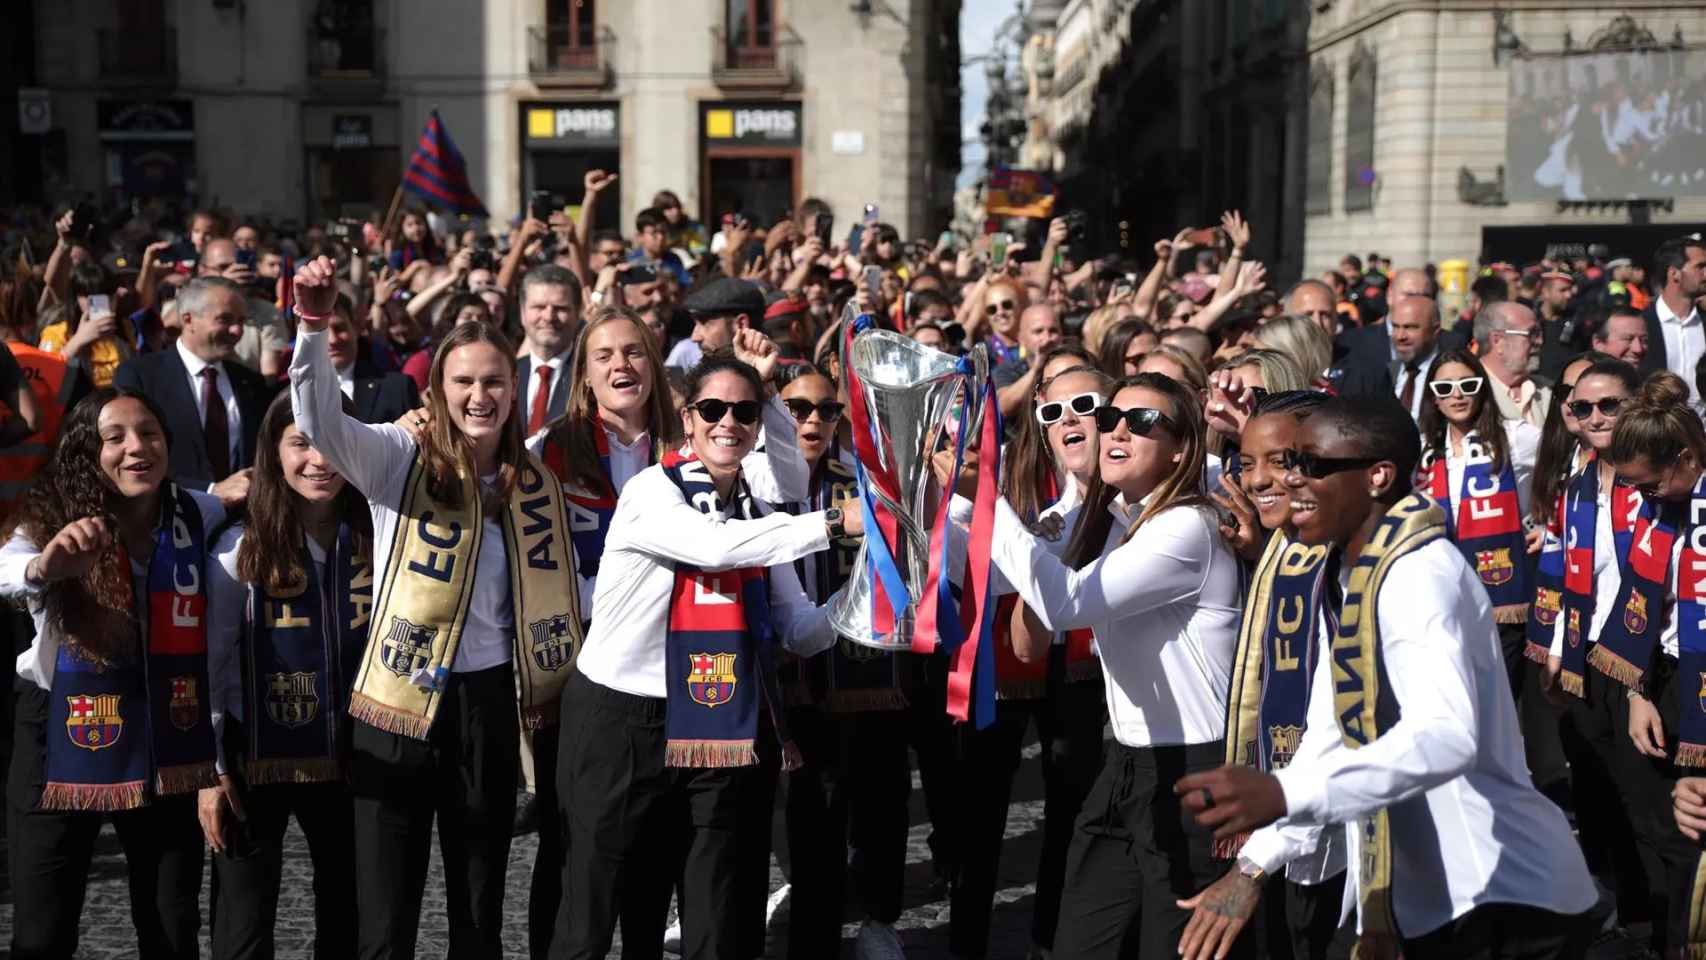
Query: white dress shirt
x=1421, y=388
x=233, y=414
x=36, y=664
x=1165, y=607
x=375, y=458
x=653, y=530
x=346, y=381
x=534, y=363
x=1467, y=826
x=1685, y=343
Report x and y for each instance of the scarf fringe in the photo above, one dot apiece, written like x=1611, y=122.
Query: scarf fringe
x=1029, y=689
x=1691, y=755
x=186, y=778
x=1572, y=684
x=1614, y=666
x=542, y=715
x=1228, y=848
x=860, y=701
x=709, y=754
x=1536, y=652
x=92, y=796
x=1080, y=671
x=388, y=718
x=1511, y=613
x=293, y=770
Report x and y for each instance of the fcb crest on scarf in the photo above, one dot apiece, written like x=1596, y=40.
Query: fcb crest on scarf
x=183, y=706
x=1494, y=567
x=712, y=680
x=94, y=722
x=291, y=700
x=406, y=647
x=551, y=642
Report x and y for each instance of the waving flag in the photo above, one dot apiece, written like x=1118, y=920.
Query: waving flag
x=1019, y=193
x=437, y=175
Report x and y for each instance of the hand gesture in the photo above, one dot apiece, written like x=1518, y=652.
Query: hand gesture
x=1236, y=229
x=73, y=550
x=1534, y=540
x=238, y=273
x=152, y=252
x=1551, y=683
x=462, y=263
x=1230, y=402
x=63, y=226
x=532, y=229
x=810, y=251
x=415, y=423
x=942, y=465
x=1232, y=800
x=752, y=347
x=1645, y=727
x=739, y=234
x=233, y=491
x=384, y=286
x=1220, y=913
x=1688, y=798
x=1048, y=527
x=1252, y=276
x=1239, y=525
x=1057, y=231
x=1181, y=240
x=211, y=806
x=316, y=292
x=1163, y=250
x=596, y=182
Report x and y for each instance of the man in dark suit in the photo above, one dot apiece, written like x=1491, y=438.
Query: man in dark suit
x=1374, y=366
x=550, y=321
x=379, y=397
x=213, y=404
x=1675, y=338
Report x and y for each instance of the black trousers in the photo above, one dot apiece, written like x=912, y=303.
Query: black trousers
x=752, y=854
x=934, y=747
x=50, y=852
x=1135, y=853
x=245, y=891
x=1505, y=931
x=1602, y=817
x=545, y=892
x=1312, y=920
x=464, y=775
x=637, y=827
x=1643, y=786
x=1069, y=728
x=852, y=791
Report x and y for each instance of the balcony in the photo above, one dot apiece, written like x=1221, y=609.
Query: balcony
x=756, y=68
x=555, y=59
x=147, y=58
x=350, y=62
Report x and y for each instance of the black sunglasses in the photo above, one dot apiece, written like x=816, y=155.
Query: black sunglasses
x=995, y=305
x=711, y=411
x=828, y=411
x=1608, y=406
x=1139, y=420
x=1319, y=468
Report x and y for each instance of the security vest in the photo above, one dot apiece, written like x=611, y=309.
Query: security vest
x=51, y=382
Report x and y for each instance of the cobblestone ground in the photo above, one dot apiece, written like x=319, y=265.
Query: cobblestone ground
x=923, y=927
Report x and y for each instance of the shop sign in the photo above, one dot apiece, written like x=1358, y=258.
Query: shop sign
x=759, y=124
x=579, y=124
x=146, y=119
x=352, y=131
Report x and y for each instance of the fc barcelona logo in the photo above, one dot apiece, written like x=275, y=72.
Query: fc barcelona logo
x=1494, y=566
x=407, y=647
x=94, y=723
x=1285, y=738
x=1702, y=696
x=184, y=705
x=291, y=700
x=712, y=682
x=1635, y=612
x=1547, y=604
x=551, y=642
x=1573, y=628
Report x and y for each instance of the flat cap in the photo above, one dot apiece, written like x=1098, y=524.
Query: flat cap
x=726, y=296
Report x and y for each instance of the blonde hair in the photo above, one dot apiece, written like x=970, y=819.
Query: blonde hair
x=1280, y=373
x=1300, y=339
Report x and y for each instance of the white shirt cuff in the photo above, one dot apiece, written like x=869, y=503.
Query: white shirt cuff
x=1266, y=849
x=1305, y=794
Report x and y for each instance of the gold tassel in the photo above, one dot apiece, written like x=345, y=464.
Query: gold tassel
x=1021, y=689
x=709, y=754
x=1572, y=683
x=389, y=719
x=1536, y=652
x=1511, y=613
x=105, y=797
x=542, y=715
x=186, y=778
x=1228, y=848
x=1691, y=755
x=303, y=770
x=1614, y=666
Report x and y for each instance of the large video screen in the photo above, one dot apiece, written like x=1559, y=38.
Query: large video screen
x=1607, y=126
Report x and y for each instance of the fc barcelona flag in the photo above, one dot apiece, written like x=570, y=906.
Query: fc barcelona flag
x=437, y=175
x=1019, y=193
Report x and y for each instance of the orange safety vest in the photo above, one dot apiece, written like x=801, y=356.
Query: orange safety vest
x=49, y=379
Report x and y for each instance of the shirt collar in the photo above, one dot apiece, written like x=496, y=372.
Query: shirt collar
x=555, y=363
x=1666, y=315
x=194, y=364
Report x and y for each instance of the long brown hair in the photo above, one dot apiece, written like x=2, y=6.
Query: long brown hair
x=1029, y=467
x=575, y=430
x=1658, y=424
x=92, y=612
x=1488, y=425
x=1181, y=487
x=271, y=556
x=446, y=452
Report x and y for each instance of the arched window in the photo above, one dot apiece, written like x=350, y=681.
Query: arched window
x=1320, y=187
x=1359, y=130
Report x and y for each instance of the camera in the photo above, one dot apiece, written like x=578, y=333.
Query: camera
x=1077, y=225
x=540, y=205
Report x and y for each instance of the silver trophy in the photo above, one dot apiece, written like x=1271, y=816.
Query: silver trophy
x=913, y=399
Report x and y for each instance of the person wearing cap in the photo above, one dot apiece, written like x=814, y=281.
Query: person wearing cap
x=789, y=324
x=718, y=308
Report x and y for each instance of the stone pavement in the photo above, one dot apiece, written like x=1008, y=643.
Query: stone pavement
x=923, y=927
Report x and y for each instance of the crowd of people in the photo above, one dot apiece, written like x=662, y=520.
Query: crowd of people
x=1314, y=597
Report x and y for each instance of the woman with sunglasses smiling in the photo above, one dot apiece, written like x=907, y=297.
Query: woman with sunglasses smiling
x=674, y=694
x=1145, y=569
x=1659, y=447
x=1478, y=466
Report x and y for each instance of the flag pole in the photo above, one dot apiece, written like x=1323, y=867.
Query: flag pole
x=391, y=212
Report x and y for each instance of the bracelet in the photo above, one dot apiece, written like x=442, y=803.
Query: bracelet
x=310, y=317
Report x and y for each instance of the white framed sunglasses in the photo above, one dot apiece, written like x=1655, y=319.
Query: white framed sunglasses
x=1466, y=387
x=1082, y=404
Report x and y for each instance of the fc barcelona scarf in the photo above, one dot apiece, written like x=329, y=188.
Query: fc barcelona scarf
x=590, y=511
x=298, y=666
x=1548, y=587
x=853, y=676
x=429, y=582
x=132, y=726
x=1581, y=522
x=719, y=657
x=1691, y=633
x=1362, y=697
x=1625, y=643
x=1486, y=526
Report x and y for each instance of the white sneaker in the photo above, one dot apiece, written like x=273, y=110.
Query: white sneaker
x=672, y=937
x=878, y=941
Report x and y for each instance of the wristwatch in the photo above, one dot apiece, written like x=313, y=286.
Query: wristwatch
x=832, y=519
x=1251, y=870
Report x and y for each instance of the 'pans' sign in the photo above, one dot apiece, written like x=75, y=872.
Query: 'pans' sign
x=752, y=124
x=592, y=124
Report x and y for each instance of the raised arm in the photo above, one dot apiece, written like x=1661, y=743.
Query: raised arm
x=652, y=518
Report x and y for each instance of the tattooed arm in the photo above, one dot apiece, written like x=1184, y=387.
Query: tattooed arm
x=1220, y=914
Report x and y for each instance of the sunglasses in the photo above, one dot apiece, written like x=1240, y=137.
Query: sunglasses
x=1319, y=468
x=828, y=411
x=1466, y=387
x=1139, y=420
x=1608, y=407
x=994, y=305
x=1082, y=404
x=711, y=411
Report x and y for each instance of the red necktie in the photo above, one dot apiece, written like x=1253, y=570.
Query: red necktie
x=541, y=400
x=216, y=428
x=1407, y=394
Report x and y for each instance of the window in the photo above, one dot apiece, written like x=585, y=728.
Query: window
x=1319, y=193
x=751, y=33
x=1359, y=130
x=574, y=33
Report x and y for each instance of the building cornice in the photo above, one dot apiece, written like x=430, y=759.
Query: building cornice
x=1373, y=18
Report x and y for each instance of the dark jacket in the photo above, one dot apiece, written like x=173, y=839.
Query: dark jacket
x=381, y=397
x=162, y=377
x=1364, y=357
x=559, y=392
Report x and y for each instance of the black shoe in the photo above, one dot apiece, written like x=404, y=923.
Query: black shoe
x=526, y=815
